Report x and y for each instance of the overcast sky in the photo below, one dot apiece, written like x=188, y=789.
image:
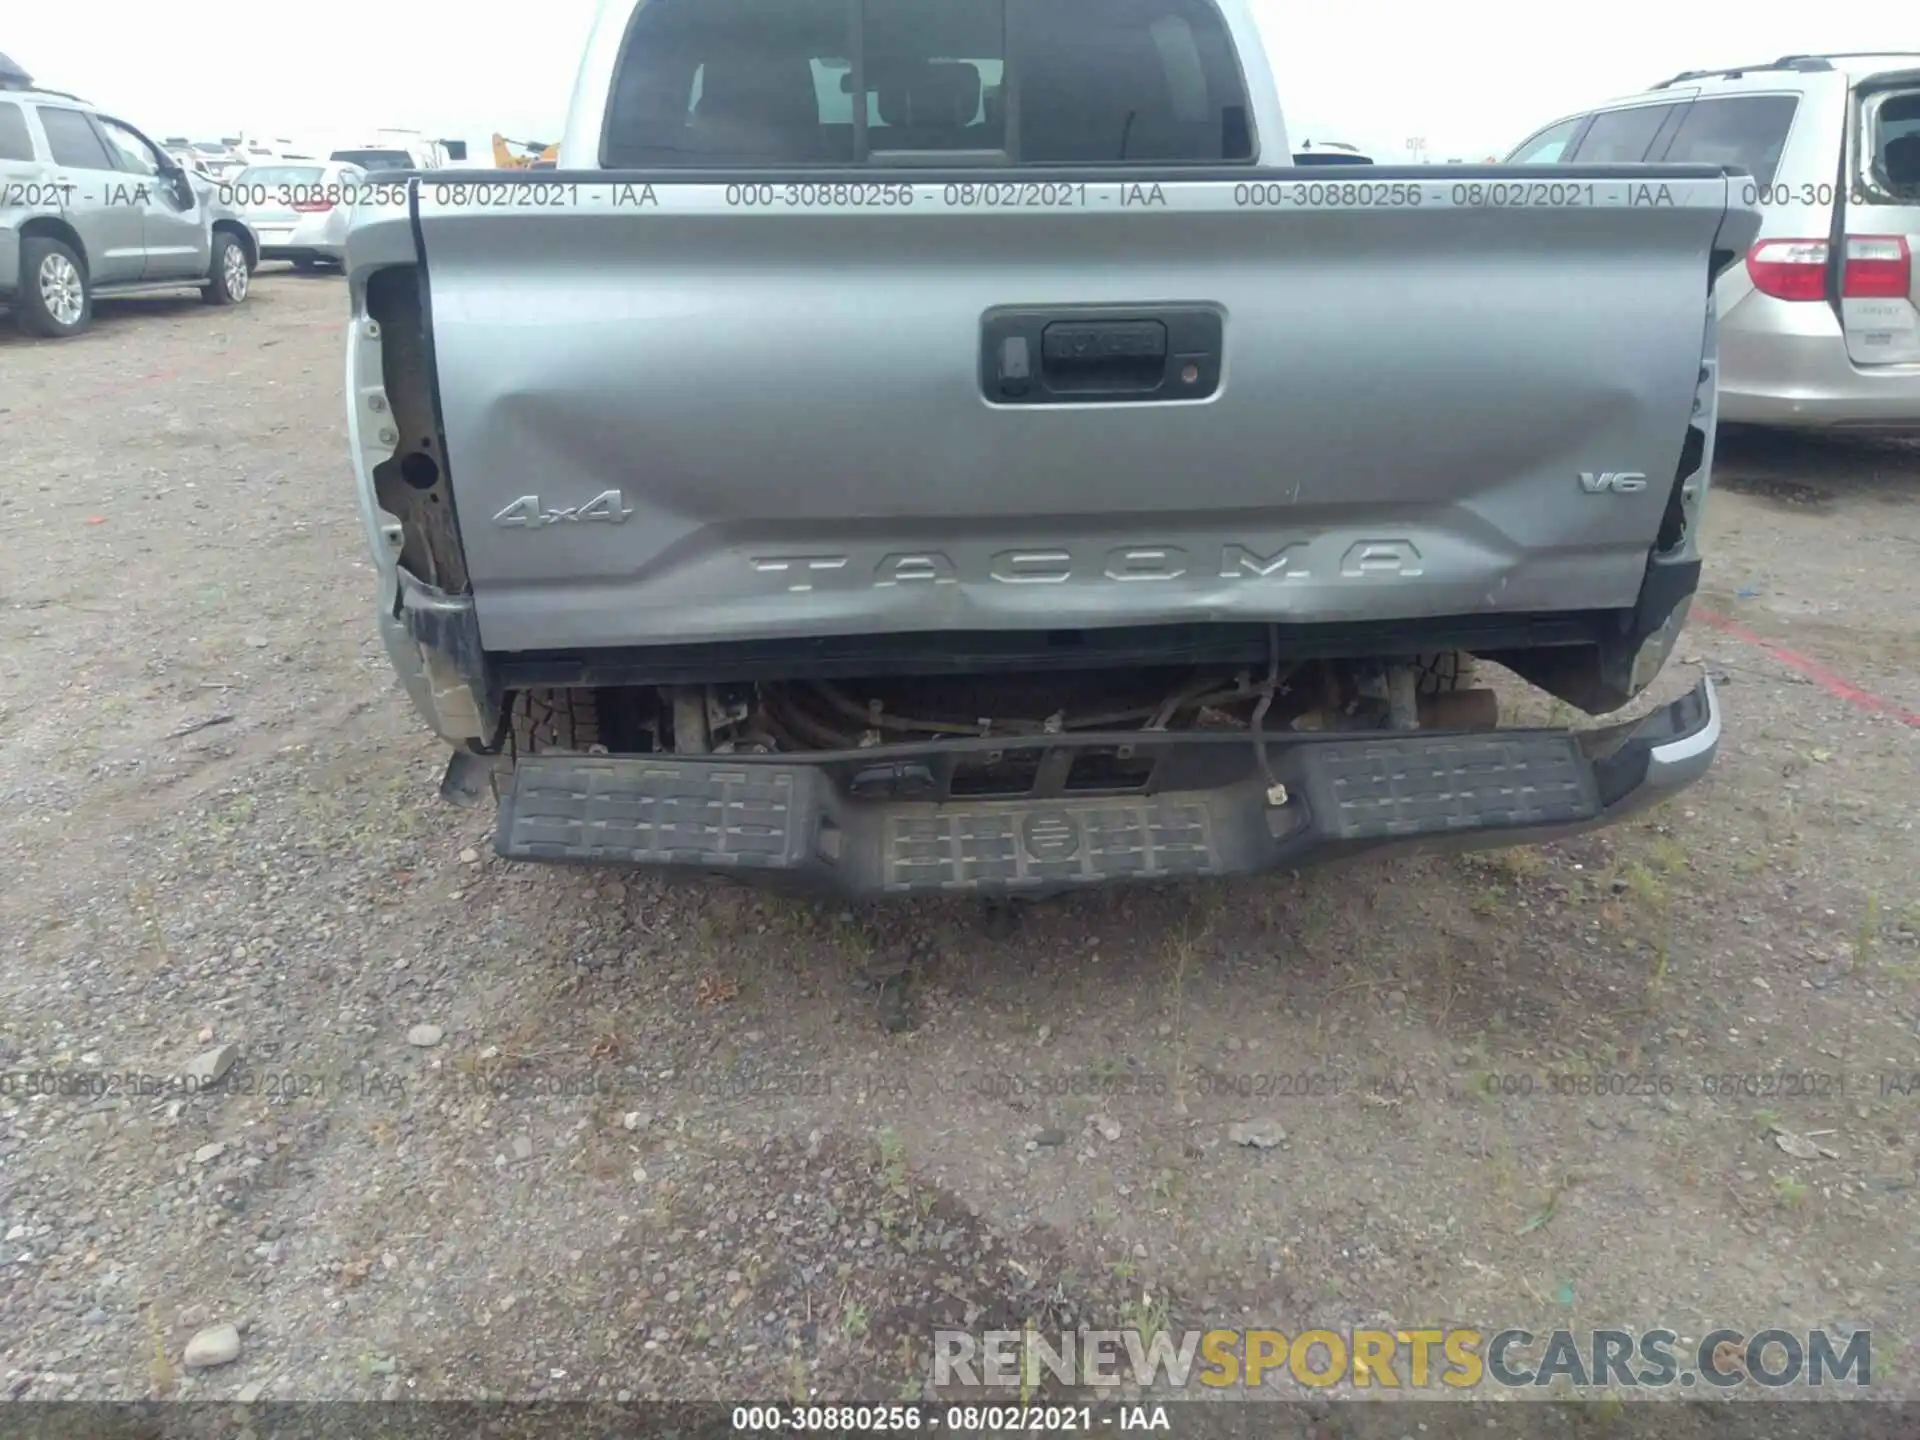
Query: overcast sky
x=1472, y=77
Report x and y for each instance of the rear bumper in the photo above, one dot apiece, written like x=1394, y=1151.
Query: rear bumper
x=873, y=824
x=290, y=251
x=318, y=237
x=1793, y=370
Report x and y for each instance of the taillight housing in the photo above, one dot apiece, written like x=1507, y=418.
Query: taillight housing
x=1790, y=269
x=1878, y=267
x=312, y=207
x=1873, y=267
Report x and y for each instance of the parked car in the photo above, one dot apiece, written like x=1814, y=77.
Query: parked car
x=1330, y=152
x=404, y=150
x=1820, y=327
x=300, y=212
x=375, y=159
x=220, y=157
x=1002, y=571
x=90, y=207
x=190, y=159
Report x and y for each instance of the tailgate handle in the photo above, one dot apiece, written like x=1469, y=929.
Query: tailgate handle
x=1109, y=356
x=1112, y=356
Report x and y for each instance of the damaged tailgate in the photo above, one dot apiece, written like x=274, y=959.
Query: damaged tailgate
x=745, y=407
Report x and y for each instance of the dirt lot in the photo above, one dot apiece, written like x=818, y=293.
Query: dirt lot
x=689, y=1141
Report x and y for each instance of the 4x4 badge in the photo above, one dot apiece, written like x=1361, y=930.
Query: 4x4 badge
x=609, y=507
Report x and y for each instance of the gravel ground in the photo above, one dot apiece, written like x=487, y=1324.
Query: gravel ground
x=493, y=1130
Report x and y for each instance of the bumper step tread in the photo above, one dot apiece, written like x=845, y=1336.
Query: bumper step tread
x=1382, y=789
x=641, y=812
x=1000, y=845
x=1345, y=795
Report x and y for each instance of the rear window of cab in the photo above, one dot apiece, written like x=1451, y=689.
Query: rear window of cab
x=759, y=83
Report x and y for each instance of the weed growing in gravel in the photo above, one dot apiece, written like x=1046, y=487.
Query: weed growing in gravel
x=1667, y=855
x=1503, y=1171
x=1315, y=914
x=1657, y=977
x=1480, y=1083
x=894, y=1180
x=1686, y=1168
x=1781, y=827
x=850, y=943
x=1602, y=1414
x=1199, y=924
x=910, y=1386
x=853, y=1320
x=1542, y=1214
x=1146, y=1315
x=1169, y=1186
x=159, y=1369
x=1789, y=1193
x=786, y=917
x=1868, y=934
x=893, y=1161
x=797, y=1391
x=707, y=932
x=1867, y=931
x=1645, y=886
x=1521, y=862
x=153, y=942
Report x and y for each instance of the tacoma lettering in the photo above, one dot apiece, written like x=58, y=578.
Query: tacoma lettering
x=929, y=568
x=1238, y=562
x=1123, y=564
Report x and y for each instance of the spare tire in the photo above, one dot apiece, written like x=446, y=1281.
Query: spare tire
x=548, y=720
x=543, y=721
x=1443, y=671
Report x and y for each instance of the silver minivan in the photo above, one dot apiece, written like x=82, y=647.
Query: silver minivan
x=1821, y=326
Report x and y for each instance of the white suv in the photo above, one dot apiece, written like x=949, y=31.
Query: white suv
x=1821, y=326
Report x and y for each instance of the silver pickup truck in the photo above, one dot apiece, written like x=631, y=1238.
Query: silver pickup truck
x=931, y=446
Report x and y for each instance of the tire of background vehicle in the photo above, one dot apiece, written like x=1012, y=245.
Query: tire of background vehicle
x=231, y=276
x=1443, y=671
x=38, y=253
